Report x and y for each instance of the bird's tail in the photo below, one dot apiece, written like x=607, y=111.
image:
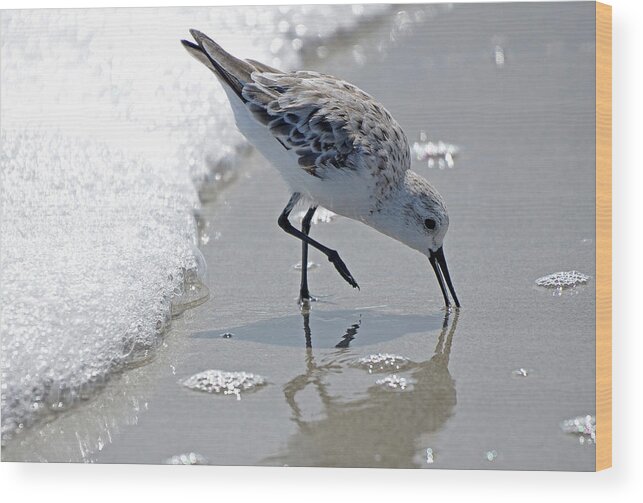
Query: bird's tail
x=231, y=71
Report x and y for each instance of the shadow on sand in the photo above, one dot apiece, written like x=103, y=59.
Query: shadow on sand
x=330, y=328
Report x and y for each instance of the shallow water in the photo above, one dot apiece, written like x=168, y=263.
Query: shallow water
x=521, y=202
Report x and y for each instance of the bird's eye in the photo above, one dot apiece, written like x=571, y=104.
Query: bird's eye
x=429, y=223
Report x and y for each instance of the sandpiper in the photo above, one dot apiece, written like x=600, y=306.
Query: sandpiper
x=337, y=148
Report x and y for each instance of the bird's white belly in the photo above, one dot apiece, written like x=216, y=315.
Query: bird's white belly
x=345, y=192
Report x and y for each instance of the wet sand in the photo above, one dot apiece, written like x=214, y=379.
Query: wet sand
x=521, y=202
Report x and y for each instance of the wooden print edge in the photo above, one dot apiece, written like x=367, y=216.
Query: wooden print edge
x=603, y=236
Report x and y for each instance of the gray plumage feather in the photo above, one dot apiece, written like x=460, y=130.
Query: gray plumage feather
x=329, y=123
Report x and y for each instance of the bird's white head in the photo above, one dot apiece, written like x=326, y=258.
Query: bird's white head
x=415, y=214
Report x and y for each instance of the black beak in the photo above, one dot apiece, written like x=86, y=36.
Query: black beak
x=439, y=264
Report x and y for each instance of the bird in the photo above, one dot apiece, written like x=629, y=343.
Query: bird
x=337, y=148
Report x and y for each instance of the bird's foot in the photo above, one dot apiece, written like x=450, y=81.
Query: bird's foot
x=343, y=271
x=305, y=302
x=306, y=299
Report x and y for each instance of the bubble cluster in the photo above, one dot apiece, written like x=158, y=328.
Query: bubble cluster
x=563, y=280
x=382, y=362
x=225, y=383
x=582, y=426
x=193, y=291
x=321, y=216
x=393, y=381
x=438, y=154
x=190, y=458
x=499, y=56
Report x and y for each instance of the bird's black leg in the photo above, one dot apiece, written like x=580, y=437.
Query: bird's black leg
x=333, y=256
x=304, y=294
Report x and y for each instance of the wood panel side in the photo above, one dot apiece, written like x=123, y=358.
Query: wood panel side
x=603, y=236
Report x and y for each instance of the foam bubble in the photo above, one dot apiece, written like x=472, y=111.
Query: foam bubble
x=582, y=426
x=491, y=455
x=190, y=458
x=563, y=280
x=382, y=362
x=394, y=381
x=321, y=216
x=438, y=154
x=193, y=290
x=225, y=383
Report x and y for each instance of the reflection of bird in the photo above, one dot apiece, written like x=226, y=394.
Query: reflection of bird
x=337, y=148
x=381, y=429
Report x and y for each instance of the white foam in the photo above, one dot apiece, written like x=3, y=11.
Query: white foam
x=435, y=153
x=95, y=247
x=321, y=216
x=582, y=426
x=491, y=455
x=563, y=280
x=224, y=383
x=382, y=362
x=394, y=381
x=189, y=458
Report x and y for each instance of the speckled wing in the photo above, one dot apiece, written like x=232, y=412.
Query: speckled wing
x=329, y=123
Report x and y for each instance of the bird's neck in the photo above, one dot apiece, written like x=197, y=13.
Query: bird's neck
x=402, y=194
x=391, y=211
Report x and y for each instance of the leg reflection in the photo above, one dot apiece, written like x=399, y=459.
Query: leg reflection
x=315, y=372
x=362, y=423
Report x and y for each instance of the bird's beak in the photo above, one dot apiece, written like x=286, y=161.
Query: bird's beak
x=439, y=264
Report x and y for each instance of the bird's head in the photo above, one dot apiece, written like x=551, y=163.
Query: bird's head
x=417, y=216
